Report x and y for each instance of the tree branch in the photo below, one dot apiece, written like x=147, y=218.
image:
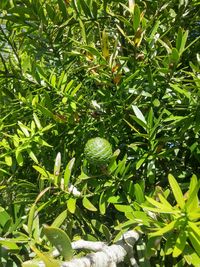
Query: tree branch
x=106, y=256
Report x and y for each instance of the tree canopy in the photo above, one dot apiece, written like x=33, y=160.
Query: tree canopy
x=125, y=71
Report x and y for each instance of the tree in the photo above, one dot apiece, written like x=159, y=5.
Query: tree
x=73, y=70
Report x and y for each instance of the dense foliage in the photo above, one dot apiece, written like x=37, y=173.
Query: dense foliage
x=126, y=71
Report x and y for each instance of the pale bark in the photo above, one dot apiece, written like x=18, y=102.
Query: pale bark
x=106, y=256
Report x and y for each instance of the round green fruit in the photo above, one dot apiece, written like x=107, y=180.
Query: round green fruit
x=98, y=151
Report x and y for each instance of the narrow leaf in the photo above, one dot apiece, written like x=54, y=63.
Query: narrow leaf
x=105, y=45
x=193, y=202
x=195, y=242
x=50, y=262
x=88, y=205
x=57, y=164
x=158, y=204
x=71, y=205
x=191, y=256
x=139, y=193
x=169, y=227
x=180, y=243
x=24, y=129
x=176, y=191
x=42, y=171
x=164, y=201
x=32, y=156
x=67, y=173
x=31, y=219
x=8, y=160
x=183, y=42
x=37, y=121
x=60, y=219
x=123, y=208
x=196, y=230
x=102, y=203
x=136, y=18
x=139, y=114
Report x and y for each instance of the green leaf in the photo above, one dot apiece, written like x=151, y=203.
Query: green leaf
x=60, y=240
x=181, y=91
x=136, y=17
x=105, y=44
x=59, y=219
x=196, y=230
x=115, y=199
x=176, y=191
x=71, y=205
x=161, y=210
x=62, y=7
x=50, y=262
x=85, y=8
x=164, y=201
x=102, y=203
x=194, y=215
x=181, y=40
x=106, y=232
x=5, y=219
x=94, y=52
x=67, y=173
x=37, y=121
x=158, y=204
x=45, y=111
x=42, y=171
x=130, y=78
x=8, y=160
x=165, y=45
x=24, y=129
x=9, y=245
x=152, y=246
x=123, y=208
x=195, y=241
x=180, y=243
x=140, y=122
x=57, y=164
x=193, y=201
x=139, y=217
x=88, y=205
x=174, y=56
x=141, y=161
x=32, y=156
x=154, y=29
x=169, y=227
x=32, y=263
x=170, y=243
x=139, y=114
x=139, y=193
x=19, y=157
x=31, y=217
x=191, y=256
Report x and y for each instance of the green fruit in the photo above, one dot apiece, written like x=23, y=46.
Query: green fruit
x=98, y=151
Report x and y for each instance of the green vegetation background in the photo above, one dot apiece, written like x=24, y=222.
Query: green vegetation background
x=127, y=71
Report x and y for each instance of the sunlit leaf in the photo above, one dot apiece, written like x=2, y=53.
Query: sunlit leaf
x=88, y=205
x=180, y=243
x=59, y=219
x=71, y=205
x=67, y=173
x=60, y=240
x=50, y=262
x=176, y=191
x=169, y=227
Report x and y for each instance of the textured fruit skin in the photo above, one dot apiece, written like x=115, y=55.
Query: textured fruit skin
x=98, y=151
